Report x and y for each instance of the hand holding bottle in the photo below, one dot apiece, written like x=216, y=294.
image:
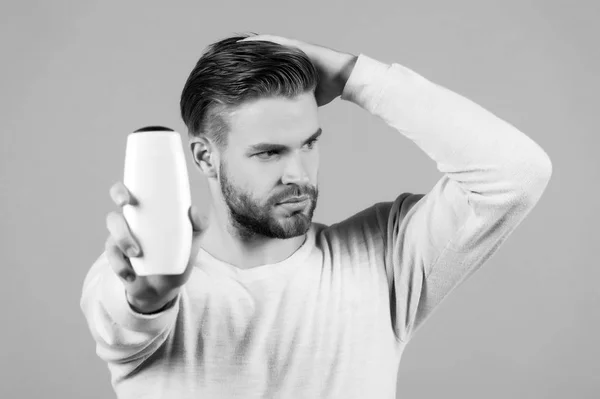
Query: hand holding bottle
x=149, y=293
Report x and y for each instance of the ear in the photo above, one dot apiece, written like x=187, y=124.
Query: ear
x=203, y=155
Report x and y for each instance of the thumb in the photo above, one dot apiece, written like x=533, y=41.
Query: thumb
x=198, y=222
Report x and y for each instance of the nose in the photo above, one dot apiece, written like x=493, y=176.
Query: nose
x=295, y=171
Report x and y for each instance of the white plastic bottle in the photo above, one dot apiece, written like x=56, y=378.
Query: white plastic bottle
x=157, y=177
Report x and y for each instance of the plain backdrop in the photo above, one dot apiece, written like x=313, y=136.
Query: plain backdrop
x=77, y=77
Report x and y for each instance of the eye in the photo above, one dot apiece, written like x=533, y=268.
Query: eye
x=267, y=153
x=312, y=143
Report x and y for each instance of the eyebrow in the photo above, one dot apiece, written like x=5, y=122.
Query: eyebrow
x=260, y=147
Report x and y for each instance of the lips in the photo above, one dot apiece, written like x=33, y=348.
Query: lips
x=294, y=200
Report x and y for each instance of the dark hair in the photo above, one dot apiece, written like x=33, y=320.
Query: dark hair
x=230, y=73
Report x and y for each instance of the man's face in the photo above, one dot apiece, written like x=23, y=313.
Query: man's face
x=272, y=155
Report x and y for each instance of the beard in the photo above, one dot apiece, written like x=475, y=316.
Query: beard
x=250, y=218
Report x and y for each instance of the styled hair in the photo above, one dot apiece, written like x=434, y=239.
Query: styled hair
x=230, y=73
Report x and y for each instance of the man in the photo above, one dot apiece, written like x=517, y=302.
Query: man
x=273, y=305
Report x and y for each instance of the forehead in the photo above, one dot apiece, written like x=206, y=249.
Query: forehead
x=278, y=120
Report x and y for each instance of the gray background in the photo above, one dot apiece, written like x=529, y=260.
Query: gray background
x=77, y=77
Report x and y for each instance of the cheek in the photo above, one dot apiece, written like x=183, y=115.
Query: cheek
x=261, y=182
x=313, y=165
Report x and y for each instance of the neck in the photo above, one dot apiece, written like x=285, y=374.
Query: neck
x=222, y=242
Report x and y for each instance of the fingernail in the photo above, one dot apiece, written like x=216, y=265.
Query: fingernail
x=132, y=251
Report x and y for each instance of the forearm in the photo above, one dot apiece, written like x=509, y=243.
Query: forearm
x=114, y=325
x=348, y=63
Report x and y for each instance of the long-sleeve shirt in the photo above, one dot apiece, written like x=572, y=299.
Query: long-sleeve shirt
x=333, y=319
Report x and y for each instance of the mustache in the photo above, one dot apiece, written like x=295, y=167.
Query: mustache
x=296, y=192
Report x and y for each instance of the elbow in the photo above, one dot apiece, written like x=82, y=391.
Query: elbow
x=537, y=177
x=542, y=167
x=547, y=166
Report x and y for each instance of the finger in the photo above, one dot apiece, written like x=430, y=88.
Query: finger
x=119, y=263
x=121, y=195
x=199, y=222
x=119, y=230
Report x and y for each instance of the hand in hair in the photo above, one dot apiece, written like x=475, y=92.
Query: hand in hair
x=334, y=67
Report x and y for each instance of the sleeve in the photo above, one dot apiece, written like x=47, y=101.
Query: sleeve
x=122, y=335
x=493, y=175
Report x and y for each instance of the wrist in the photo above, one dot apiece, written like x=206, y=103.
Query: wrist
x=347, y=66
x=152, y=306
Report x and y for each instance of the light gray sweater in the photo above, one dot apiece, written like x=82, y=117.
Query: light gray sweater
x=333, y=319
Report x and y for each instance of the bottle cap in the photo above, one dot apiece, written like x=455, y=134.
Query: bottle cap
x=154, y=129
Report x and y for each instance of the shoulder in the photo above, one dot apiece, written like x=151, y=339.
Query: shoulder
x=375, y=216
